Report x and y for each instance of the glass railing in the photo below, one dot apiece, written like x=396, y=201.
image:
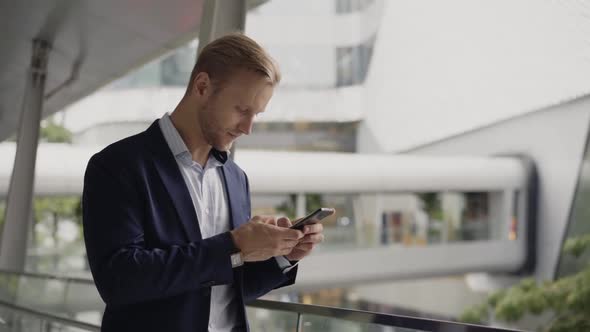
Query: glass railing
x=61, y=296
x=15, y=318
x=42, y=302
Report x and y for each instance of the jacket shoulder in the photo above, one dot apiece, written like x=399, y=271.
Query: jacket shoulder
x=123, y=151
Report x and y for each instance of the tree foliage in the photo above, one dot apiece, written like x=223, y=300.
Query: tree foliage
x=54, y=133
x=567, y=299
x=288, y=208
x=56, y=207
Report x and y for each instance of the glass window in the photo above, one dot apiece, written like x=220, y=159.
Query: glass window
x=172, y=69
x=399, y=219
x=352, y=63
x=577, y=238
x=301, y=136
x=349, y=6
x=175, y=69
x=271, y=320
x=314, y=53
x=146, y=76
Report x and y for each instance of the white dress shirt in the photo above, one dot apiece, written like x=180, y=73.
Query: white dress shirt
x=207, y=191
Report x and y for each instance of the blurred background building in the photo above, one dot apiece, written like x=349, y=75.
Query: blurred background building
x=450, y=136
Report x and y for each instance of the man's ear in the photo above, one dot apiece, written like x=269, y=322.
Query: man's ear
x=201, y=85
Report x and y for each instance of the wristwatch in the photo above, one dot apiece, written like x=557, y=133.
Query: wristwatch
x=236, y=259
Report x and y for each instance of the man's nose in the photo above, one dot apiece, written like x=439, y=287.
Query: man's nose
x=246, y=125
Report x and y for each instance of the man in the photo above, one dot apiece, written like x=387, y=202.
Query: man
x=167, y=224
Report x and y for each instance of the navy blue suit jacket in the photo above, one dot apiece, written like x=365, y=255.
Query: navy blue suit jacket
x=149, y=262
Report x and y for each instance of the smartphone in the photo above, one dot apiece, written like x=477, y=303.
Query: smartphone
x=313, y=218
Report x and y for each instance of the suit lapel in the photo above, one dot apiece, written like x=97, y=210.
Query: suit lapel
x=234, y=190
x=167, y=168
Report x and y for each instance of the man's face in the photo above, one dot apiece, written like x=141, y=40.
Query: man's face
x=230, y=112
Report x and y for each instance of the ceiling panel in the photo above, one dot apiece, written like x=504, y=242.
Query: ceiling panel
x=103, y=39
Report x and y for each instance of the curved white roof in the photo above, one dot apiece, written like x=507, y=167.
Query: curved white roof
x=93, y=42
x=441, y=68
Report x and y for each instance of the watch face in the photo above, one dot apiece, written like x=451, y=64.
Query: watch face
x=236, y=260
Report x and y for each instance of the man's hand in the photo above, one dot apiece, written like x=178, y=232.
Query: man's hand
x=313, y=235
x=261, y=238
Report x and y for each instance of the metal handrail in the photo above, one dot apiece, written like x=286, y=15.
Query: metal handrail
x=49, y=317
x=368, y=317
x=353, y=315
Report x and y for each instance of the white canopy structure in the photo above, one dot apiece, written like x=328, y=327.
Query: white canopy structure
x=60, y=171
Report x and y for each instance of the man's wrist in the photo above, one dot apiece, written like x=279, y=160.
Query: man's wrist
x=235, y=240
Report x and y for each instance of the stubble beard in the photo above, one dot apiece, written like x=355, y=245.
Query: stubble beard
x=210, y=130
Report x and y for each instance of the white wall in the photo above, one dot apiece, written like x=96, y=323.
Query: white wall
x=555, y=138
x=303, y=36
x=441, y=68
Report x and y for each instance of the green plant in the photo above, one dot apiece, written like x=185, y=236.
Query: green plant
x=54, y=133
x=567, y=299
x=57, y=208
x=288, y=207
x=312, y=203
x=432, y=205
x=52, y=210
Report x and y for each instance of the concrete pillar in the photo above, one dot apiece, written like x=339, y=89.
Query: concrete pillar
x=13, y=243
x=300, y=206
x=221, y=17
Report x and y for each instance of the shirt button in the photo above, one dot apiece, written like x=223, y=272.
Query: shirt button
x=207, y=210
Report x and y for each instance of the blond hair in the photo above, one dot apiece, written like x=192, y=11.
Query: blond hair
x=224, y=56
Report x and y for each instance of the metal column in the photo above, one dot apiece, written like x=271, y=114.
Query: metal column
x=300, y=206
x=221, y=17
x=13, y=243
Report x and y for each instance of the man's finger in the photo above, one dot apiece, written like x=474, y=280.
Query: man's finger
x=285, y=251
x=289, y=244
x=290, y=234
x=313, y=228
x=284, y=222
x=304, y=246
x=313, y=238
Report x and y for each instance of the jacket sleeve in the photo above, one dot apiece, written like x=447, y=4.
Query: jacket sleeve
x=262, y=277
x=124, y=269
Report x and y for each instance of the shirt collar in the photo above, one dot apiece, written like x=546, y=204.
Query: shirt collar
x=178, y=147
